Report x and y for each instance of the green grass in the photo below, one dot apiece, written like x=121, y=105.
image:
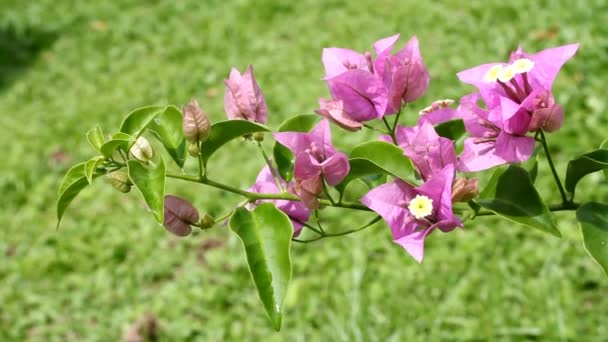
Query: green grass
x=68, y=65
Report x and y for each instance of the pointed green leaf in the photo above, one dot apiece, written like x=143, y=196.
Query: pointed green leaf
x=150, y=181
x=282, y=155
x=593, y=220
x=223, y=132
x=119, y=140
x=378, y=157
x=167, y=128
x=96, y=138
x=299, y=123
x=511, y=194
x=453, y=129
x=71, y=185
x=266, y=235
x=90, y=166
x=583, y=165
x=135, y=122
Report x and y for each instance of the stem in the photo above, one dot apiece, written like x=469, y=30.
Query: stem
x=397, y=119
x=552, y=166
x=273, y=171
x=390, y=131
x=252, y=196
x=323, y=235
x=374, y=128
x=554, y=207
x=201, y=168
x=331, y=200
x=318, y=219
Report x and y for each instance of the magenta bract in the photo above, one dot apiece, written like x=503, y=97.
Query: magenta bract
x=315, y=155
x=243, y=98
x=413, y=213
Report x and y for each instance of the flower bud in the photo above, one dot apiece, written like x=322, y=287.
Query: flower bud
x=549, y=119
x=207, y=222
x=258, y=136
x=120, y=181
x=142, y=150
x=193, y=150
x=195, y=124
x=179, y=215
x=243, y=98
x=546, y=114
x=464, y=190
x=309, y=190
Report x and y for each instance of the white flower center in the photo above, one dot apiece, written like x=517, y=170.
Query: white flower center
x=492, y=74
x=421, y=206
x=506, y=74
x=522, y=65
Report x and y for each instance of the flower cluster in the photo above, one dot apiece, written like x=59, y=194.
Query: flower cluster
x=517, y=98
x=364, y=88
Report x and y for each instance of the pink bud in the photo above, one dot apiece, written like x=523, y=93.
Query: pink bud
x=464, y=190
x=179, y=215
x=549, y=119
x=309, y=190
x=243, y=98
x=195, y=123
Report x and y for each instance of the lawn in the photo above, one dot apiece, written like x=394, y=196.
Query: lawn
x=66, y=66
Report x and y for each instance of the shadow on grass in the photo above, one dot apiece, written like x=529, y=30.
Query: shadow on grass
x=19, y=49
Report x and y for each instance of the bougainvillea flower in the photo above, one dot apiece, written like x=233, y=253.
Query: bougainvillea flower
x=297, y=211
x=413, y=213
x=334, y=111
x=404, y=73
x=525, y=80
x=314, y=154
x=496, y=137
x=243, y=98
x=372, y=88
x=364, y=96
x=428, y=151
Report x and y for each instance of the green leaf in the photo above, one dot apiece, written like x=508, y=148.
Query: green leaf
x=167, y=128
x=531, y=165
x=299, y=123
x=593, y=220
x=223, y=132
x=96, y=138
x=266, y=235
x=453, y=129
x=583, y=165
x=284, y=160
x=135, y=122
x=378, y=157
x=511, y=194
x=282, y=155
x=90, y=166
x=71, y=185
x=150, y=180
x=119, y=140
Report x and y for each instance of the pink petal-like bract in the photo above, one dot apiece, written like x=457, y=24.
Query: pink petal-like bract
x=243, y=98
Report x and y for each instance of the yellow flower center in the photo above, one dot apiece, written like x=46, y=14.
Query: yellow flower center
x=492, y=74
x=506, y=74
x=522, y=65
x=421, y=206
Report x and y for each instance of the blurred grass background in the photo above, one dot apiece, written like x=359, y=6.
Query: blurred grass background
x=67, y=65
